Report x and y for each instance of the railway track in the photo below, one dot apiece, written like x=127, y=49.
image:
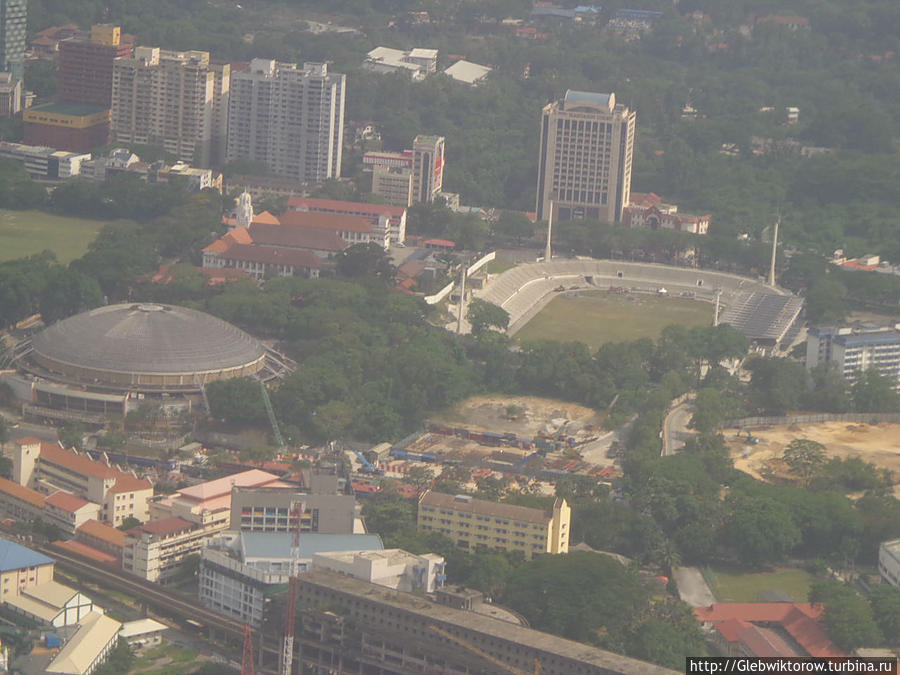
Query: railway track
x=171, y=602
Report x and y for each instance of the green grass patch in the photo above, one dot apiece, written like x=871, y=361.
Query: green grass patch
x=597, y=317
x=25, y=233
x=499, y=265
x=735, y=585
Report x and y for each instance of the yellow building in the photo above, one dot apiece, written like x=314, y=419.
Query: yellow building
x=21, y=568
x=476, y=522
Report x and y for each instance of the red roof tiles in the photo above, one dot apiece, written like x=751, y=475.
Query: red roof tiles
x=164, y=527
x=67, y=502
x=337, y=206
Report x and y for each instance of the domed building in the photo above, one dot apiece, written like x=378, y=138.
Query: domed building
x=98, y=361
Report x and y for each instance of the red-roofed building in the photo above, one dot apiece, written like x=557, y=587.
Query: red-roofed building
x=19, y=502
x=768, y=629
x=209, y=504
x=48, y=468
x=69, y=512
x=101, y=537
x=353, y=229
x=375, y=213
x=89, y=552
x=792, y=22
x=647, y=210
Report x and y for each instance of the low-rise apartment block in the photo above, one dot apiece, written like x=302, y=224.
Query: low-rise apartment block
x=49, y=468
x=474, y=522
x=156, y=551
x=418, y=63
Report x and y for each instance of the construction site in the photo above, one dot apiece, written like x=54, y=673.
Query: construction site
x=758, y=450
x=532, y=438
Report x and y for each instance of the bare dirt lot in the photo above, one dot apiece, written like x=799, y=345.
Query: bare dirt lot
x=530, y=415
x=878, y=444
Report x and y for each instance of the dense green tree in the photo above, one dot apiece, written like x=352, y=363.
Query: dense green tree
x=68, y=292
x=885, y=603
x=760, y=529
x=848, y=617
x=872, y=392
x=483, y=316
x=805, y=457
x=366, y=260
x=237, y=400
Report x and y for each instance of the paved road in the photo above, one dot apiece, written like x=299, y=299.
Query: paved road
x=692, y=587
x=19, y=429
x=675, y=427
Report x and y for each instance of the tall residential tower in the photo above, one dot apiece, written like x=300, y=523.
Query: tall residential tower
x=13, y=25
x=584, y=169
x=86, y=66
x=169, y=99
x=290, y=118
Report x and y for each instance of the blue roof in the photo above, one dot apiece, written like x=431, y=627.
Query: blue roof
x=15, y=557
x=638, y=13
x=573, y=96
x=559, y=12
x=885, y=337
x=584, y=9
x=278, y=544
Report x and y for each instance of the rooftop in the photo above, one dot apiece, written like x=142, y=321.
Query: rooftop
x=104, y=532
x=67, y=502
x=84, y=465
x=14, y=556
x=468, y=72
x=162, y=528
x=222, y=486
x=278, y=545
x=141, y=627
x=22, y=493
x=95, y=631
x=485, y=507
x=431, y=612
x=74, y=109
x=799, y=619
x=595, y=100
x=272, y=256
x=328, y=221
x=296, y=237
x=335, y=205
x=85, y=551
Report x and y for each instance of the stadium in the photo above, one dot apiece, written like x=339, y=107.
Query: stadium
x=101, y=361
x=766, y=315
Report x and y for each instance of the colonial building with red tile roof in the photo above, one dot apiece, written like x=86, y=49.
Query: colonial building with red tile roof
x=768, y=629
x=49, y=468
x=394, y=216
x=647, y=210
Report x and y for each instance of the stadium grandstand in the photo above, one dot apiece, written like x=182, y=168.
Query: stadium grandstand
x=766, y=315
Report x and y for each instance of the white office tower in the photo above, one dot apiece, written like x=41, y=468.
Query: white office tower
x=584, y=167
x=291, y=119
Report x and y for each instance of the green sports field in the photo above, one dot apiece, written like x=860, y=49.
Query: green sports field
x=24, y=233
x=596, y=317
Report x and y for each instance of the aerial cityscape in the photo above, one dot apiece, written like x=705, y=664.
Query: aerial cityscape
x=438, y=336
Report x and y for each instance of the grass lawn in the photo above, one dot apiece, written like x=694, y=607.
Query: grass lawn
x=498, y=265
x=734, y=585
x=596, y=317
x=24, y=233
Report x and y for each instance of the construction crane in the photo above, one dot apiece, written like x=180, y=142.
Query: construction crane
x=276, y=432
x=287, y=648
x=247, y=667
x=483, y=654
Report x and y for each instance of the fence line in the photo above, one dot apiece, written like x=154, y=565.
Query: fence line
x=807, y=419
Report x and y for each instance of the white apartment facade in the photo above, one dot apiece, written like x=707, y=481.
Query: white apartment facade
x=584, y=166
x=290, y=118
x=852, y=351
x=171, y=99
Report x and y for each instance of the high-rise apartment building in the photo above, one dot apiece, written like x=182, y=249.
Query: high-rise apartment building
x=13, y=26
x=85, y=67
x=584, y=166
x=168, y=99
x=290, y=118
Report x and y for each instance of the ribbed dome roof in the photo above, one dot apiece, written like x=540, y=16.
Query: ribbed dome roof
x=147, y=338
